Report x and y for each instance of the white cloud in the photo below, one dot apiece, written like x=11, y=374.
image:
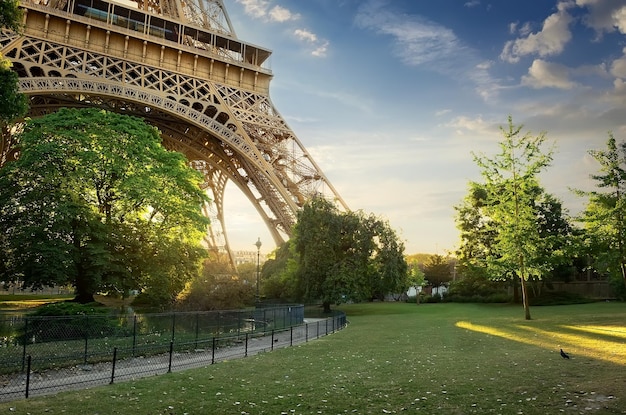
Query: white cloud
x=320, y=46
x=551, y=40
x=255, y=8
x=305, y=35
x=618, y=67
x=260, y=9
x=321, y=50
x=472, y=3
x=475, y=126
x=418, y=41
x=543, y=74
x=281, y=14
x=605, y=15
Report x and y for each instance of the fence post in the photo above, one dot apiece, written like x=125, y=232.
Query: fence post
x=246, y=353
x=28, y=359
x=318, y=329
x=86, y=338
x=169, y=367
x=272, y=348
x=326, y=333
x=218, y=323
x=197, y=329
x=134, y=333
x=213, y=351
x=173, y=325
x=25, y=341
x=113, y=365
x=291, y=336
x=306, y=332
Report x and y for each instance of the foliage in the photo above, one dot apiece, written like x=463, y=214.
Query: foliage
x=551, y=298
x=438, y=270
x=476, y=288
x=277, y=275
x=211, y=292
x=478, y=232
x=416, y=277
x=345, y=256
x=605, y=213
x=11, y=15
x=13, y=104
x=66, y=308
x=512, y=187
x=68, y=320
x=95, y=200
x=218, y=288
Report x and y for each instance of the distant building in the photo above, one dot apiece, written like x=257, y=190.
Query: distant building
x=243, y=257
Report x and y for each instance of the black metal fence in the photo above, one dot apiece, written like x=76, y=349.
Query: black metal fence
x=40, y=361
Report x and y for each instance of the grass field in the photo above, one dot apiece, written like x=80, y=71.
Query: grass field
x=393, y=358
x=23, y=302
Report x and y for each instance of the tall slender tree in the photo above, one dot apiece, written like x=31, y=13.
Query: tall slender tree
x=512, y=185
x=605, y=213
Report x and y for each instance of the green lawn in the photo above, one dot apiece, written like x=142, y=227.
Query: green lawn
x=392, y=358
x=22, y=302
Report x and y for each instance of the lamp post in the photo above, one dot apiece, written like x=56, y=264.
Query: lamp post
x=258, y=267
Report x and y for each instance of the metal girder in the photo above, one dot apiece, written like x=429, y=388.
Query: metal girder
x=171, y=63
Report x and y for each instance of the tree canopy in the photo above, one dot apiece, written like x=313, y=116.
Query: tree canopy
x=605, y=212
x=13, y=104
x=95, y=200
x=511, y=185
x=341, y=256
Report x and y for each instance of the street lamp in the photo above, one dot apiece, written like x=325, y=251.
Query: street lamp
x=258, y=269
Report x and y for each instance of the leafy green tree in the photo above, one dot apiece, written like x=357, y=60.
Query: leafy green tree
x=416, y=279
x=345, y=256
x=96, y=201
x=438, y=270
x=477, y=232
x=512, y=185
x=13, y=104
x=383, y=250
x=605, y=213
x=11, y=15
x=278, y=274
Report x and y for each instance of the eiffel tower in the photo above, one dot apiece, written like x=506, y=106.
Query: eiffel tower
x=179, y=65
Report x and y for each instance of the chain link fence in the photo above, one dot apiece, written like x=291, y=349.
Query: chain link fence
x=55, y=354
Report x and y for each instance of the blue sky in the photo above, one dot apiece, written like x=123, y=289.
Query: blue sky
x=392, y=97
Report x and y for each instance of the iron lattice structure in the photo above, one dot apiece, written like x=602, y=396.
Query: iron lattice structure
x=180, y=66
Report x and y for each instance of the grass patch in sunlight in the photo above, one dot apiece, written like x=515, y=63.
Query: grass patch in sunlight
x=394, y=358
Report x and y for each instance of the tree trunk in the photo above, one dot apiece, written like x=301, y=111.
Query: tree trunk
x=525, y=299
x=84, y=298
x=524, y=290
x=326, y=305
x=417, y=296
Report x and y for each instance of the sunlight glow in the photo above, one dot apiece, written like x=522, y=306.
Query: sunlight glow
x=597, y=342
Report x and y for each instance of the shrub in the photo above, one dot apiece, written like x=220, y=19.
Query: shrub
x=558, y=298
x=477, y=289
x=68, y=320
